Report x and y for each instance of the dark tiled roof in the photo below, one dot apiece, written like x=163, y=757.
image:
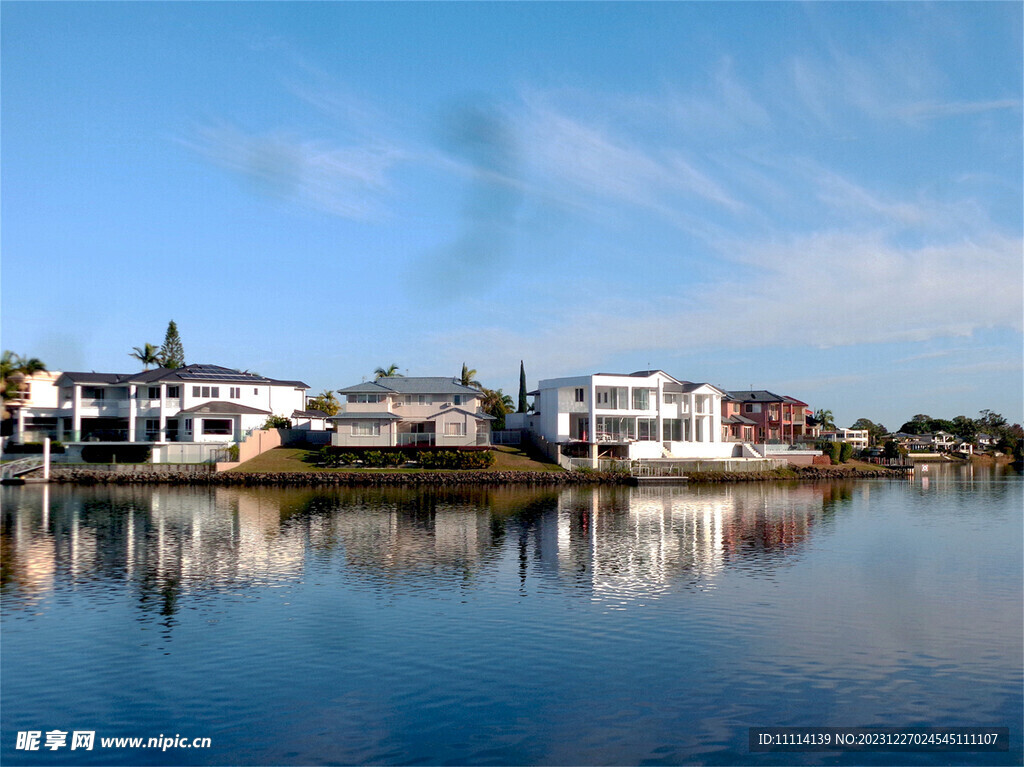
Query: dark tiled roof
x=309, y=414
x=98, y=378
x=756, y=395
x=295, y=384
x=223, y=408
x=194, y=374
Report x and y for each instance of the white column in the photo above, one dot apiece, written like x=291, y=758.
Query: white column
x=657, y=407
x=132, y=408
x=20, y=424
x=46, y=458
x=163, y=412
x=76, y=413
x=591, y=417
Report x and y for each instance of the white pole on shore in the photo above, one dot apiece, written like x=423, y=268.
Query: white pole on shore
x=46, y=459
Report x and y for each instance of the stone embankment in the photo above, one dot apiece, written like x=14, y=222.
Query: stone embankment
x=802, y=473
x=92, y=476
x=339, y=479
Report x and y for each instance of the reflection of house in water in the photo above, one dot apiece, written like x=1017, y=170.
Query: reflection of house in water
x=643, y=541
x=414, y=541
x=165, y=540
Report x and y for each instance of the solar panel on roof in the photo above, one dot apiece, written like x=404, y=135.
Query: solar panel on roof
x=216, y=373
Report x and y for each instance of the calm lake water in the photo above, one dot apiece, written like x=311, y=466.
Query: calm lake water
x=510, y=626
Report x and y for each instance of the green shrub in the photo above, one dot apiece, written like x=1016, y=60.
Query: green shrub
x=845, y=452
x=276, y=422
x=453, y=459
x=835, y=451
x=233, y=452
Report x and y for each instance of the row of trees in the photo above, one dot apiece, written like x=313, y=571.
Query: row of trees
x=1007, y=437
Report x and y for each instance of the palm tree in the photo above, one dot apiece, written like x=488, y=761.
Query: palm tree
x=497, y=404
x=324, y=401
x=147, y=355
x=14, y=369
x=825, y=420
x=391, y=371
x=467, y=377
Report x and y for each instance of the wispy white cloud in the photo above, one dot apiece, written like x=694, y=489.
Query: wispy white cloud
x=928, y=110
x=824, y=290
x=347, y=181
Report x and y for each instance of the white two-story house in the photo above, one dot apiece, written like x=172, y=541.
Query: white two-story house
x=402, y=411
x=194, y=403
x=647, y=414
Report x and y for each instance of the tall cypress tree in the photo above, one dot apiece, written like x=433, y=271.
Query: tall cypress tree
x=522, y=388
x=172, y=353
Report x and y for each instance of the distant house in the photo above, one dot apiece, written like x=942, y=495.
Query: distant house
x=859, y=438
x=405, y=411
x=940, y=441
x=194, y=403
x=776, y=417
x=646, y=414
x=985, y=441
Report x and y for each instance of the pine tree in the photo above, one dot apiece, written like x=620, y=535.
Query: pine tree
x=522, y=388
x=172, y=353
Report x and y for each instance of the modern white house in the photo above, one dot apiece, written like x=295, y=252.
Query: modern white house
x=856, y=437
x=190, y=404
x=647, y=414
x=405, y=411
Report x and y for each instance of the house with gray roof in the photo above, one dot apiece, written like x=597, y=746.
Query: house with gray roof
x=411, y=411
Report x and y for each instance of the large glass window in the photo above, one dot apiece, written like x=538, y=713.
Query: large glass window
x=615, y=428
x=218, y=426
x=455, y=429
x=641, y=399
x=647, y=428
x=365, y=428
x=673, y=429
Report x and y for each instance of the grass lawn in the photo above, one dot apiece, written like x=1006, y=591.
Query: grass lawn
x=506, y=458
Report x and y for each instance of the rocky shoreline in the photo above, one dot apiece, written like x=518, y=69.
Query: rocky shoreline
x=801, y=473
x=440, y=478
x=339, y=479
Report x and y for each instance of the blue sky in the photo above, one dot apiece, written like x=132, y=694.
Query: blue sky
x=821, y=199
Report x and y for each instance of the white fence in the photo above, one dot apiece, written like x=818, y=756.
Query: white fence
x=507, y=437
x=655, y=467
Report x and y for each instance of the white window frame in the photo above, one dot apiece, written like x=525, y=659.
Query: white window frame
x=365, y=429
